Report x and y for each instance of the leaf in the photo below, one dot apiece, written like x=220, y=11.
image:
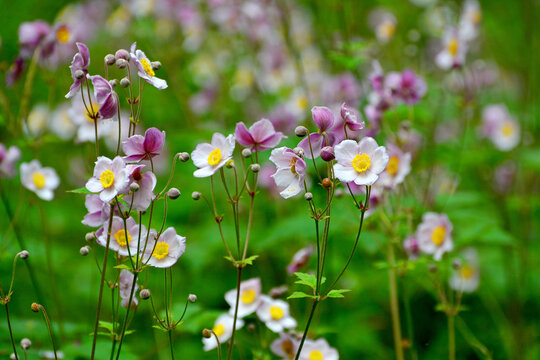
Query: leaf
x=82, y=190
x=250, y=259
x=300, y=295
x=338, y=293
x=106, y=325
x=123, y=266
x=306, y=279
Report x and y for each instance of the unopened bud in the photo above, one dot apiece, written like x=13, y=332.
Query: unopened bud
x=308, y=196
x=79, y=74
x=122, y=54
x=121, y=63
x=34, y=307
x=246, y=153
x=456, y=264
x=255, y=168
x=338, y=193
x=24, y=254
x=183, y=156
x=85, y=250
x=134, y=187
x=192, y=298
x=145, y=294
x=327, y=153
x=207, y=334
x=327, y=183
x=299, y=151
x=12, y=356
x=109, y=59
x=278, y=291
x=251, y=327
x=195, y=195
x=173, y=193
x=113, y=82
x=301, y=131
x=26, y=343
x=124, y=82
x=89, y=236
x=156, y=65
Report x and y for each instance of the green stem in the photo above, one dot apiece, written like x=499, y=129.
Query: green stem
x=394, y=304
x=451, y=338
x=306, y=329
x=11, y=332
x=171, y=344
x=127, y=314
x=238, y=281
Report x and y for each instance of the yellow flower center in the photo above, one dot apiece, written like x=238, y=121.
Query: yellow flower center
x=147, y=67
x=276, y=312
x=361, y=162
x=219, y=330
x=302, y=102
x=161, y=250
x=215, y=157
x=292, y=164
x=466, y=272
x=107, y=178
x=438, y=235
x=508, y=129
x=94, y=108
x=62, y=35
x=388, y=28
x=287, y=347
x=248, y=296
x=316, y=355
x=121, y=238
x=477, y=17
x=453, y=46
x=39, y=180
x=393, y=165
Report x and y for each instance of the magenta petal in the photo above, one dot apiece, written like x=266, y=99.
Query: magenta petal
x=323, y=117
x=109, y=108
x=317, y=142
x=243, y=136
x=134, y=146
x=85, y=53
x=102, y=88
x=261, y=130
x=153, y=140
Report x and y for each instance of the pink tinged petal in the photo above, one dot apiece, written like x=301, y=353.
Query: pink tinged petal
x=367, y=145
x=153, y=140
x=134, y=148
x=379, y=160
x=109, y=108
x=201, y=153
x=346, y=151
x=323, y=117
x=284, y=177
x=270, y=142
x=157, y=82
x=94, y=185
x=261, y=130
x=317, y=143
x=243, y=136
x=280, y=157
x=85, y=53
x=102, y=88
x=365, y=178
x=344, y=173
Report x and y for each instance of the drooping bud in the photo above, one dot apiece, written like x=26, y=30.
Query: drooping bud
x=207, y=334
x=192, y=298
x=327, y=183
x=308, y=196
x=121, y=63
x=26, y=343
x=122, y=54
x=109, y=59
x=24, y=254
x=246, y=153
x=113, y=82
x=124, y=82
x=85, y=250
x=195, y=195
x=327, y=153
x=173, y=193
x=278, y=291
x=79, y=74
x=301, y=131
x=34, y=307
x=456, y=264
x=299, y=151
x=156, y=65
x=229, y=164
x=145, y=294
x=134, y=187
x=89, y=236
x=183, y=156
x=255, y=168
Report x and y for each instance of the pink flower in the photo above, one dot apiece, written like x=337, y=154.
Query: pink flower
x=300, y=259
x=260, y=136
x=8, y=159
x=81, y=60
x=434, y=235
x=324, y=119
x=105, y=96
x=124, y=287
x=140, y=147
x=147, y=182
x=290, y=173
x=410, y=245
x=110, y=178
x=15, y=71
x=406, y=86
x=165, y=250
x=30, y=36
x=98, y=211
x=352, y=118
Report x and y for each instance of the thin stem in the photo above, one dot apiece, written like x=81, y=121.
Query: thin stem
x=171, y=344
x=306, y=329
x=394, y=304
x=127, y=314
x=238, y=281
x=218, y=344
x=451, y=338
x=50, y=331
x=11, y=332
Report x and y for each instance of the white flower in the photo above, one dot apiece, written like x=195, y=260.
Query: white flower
x=223, y=330
x=144, y=65
x=454, y=50
x=37, y=119
x=164, y=251
x=124, y=287
x=250, y=297
x=500, y=127
x=434, y=235
x=467, y=277
x=122, y=237
x=470, y=20
x=360, y=162
x=209, y=158
x=290, y=173
x=399, y=166
x=41, y=180
x=275, y=314
x=318, y=350
x=61, y=123
x=110, y=178
x=285, y=346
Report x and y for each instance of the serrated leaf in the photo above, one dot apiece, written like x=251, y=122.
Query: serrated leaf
x=306, y=279
x=250, y=259
x=300, y=295
x=337, y=293
x=123, y=266
x=106, y=325
x=82, y=190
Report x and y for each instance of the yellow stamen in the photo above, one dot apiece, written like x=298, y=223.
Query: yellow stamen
x=361, y=162
x=39, y=180
x=302, y=102
x=276, y=312
x=248, y=296
x=387, y=29
x=292, y=164
x=316, y=355
x=466, y=272
x=393, y=165
x=453, y=46
x=438, y=235
x=215, y=157
x=94, y=108
x=161, y=250
x=121, y=238
x=107, y=178
x=219, y=330
x=62, y=35
x=508, y=129
x=477, y=17
x=147, y=67
x=287, y=347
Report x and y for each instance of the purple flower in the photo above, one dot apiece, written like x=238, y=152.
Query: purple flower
x=144, y=66
x=140, y=147
x=291, y=171
x=30, y=35
x=110, y=178
x=147, y=182
x=260, y=136
x=98, y=211
x=411, y=247
x=124, y=288
x=105, y=96
x=324, y=119
x=15, y=71
x=81, y=60
x=406, y=86
x=300, y=259
x=352, y=118
x=8, y=159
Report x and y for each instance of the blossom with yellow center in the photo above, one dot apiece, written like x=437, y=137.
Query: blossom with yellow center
x=248, y=296
x=215, y=157
x=393, y=165
x=292, y=164
x=387, y=29
x=106, y=178
x=438, y=235
x=276, y=312
x=508, y=129
x=361, y=162
x=316, y=355
x=148, y=67
x=219, y=330
x=466, y=272
x=39, y=180
x=121, y=238
x=161, y=250
x=453, y=46
x=63, y=35
x=94, y=108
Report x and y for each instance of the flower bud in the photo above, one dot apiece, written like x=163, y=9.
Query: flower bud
x=278, y=291
x=338, y=193
x=255, y=168
x=195, y=195
x=173, y=193
x=79, y=74
x=308, y=196
x=184, y=157
x=156, y=65
x=85, y=250
x=327, y=183
x=113, y=82
x=456, y=264
x=207, y=334
x=299, y=151
x=192, y=298
x=24, y=254
x=246, y=153
x=301, y=131
x=122, y=54
x=109, y=59
x=327, y=153
x=134, y=187
x=26, y=343
x=124, y=82
x=34, y=307
x=229, y=164
x=89, y=236
x=145, y=294
x=12, y=356
x=121, y=63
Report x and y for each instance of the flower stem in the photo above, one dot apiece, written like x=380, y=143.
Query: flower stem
x=11, y=332
x=451, y=338
x=171, y=344
x=238, y=281
x=306, y=329
x=127, y=314
x=50, y=330
x=394, y=304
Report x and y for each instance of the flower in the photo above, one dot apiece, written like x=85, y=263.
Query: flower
x=410, y=245
x=61, y=123
x=300, y=259
x=110, y=178
x=123, y=240
x=434, y=235
x=453, y=52
x=209, y=158
x=98, y=211
x=352, y=118
x=223, y=330
x=41, y=180
x=138, y=147
x=124, y=288
x=164, y=251
x=500, y=127
x=290, y=173
x=85, y=123
x=14, y=72
x=383, y=23
x=260, y=136
x=105, y=96
x=250, y=297
x=470, y=20
x=8, y=159
x=360, y=162
x=406, y=86
x=81, y=60
x=399, y=166
x=314, y=142
x=30, y=35
x=141, y=199
x=467, y=277
x=275, y=314
x=144, y=66
x=285, y=346
x=318, y=350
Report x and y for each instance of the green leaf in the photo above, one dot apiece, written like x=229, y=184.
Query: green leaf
x=300, y=295
x=250, y=259
x=306, y=279
x=123, y=266
x=82, y=190
x=106, y=325
x=338, y=293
